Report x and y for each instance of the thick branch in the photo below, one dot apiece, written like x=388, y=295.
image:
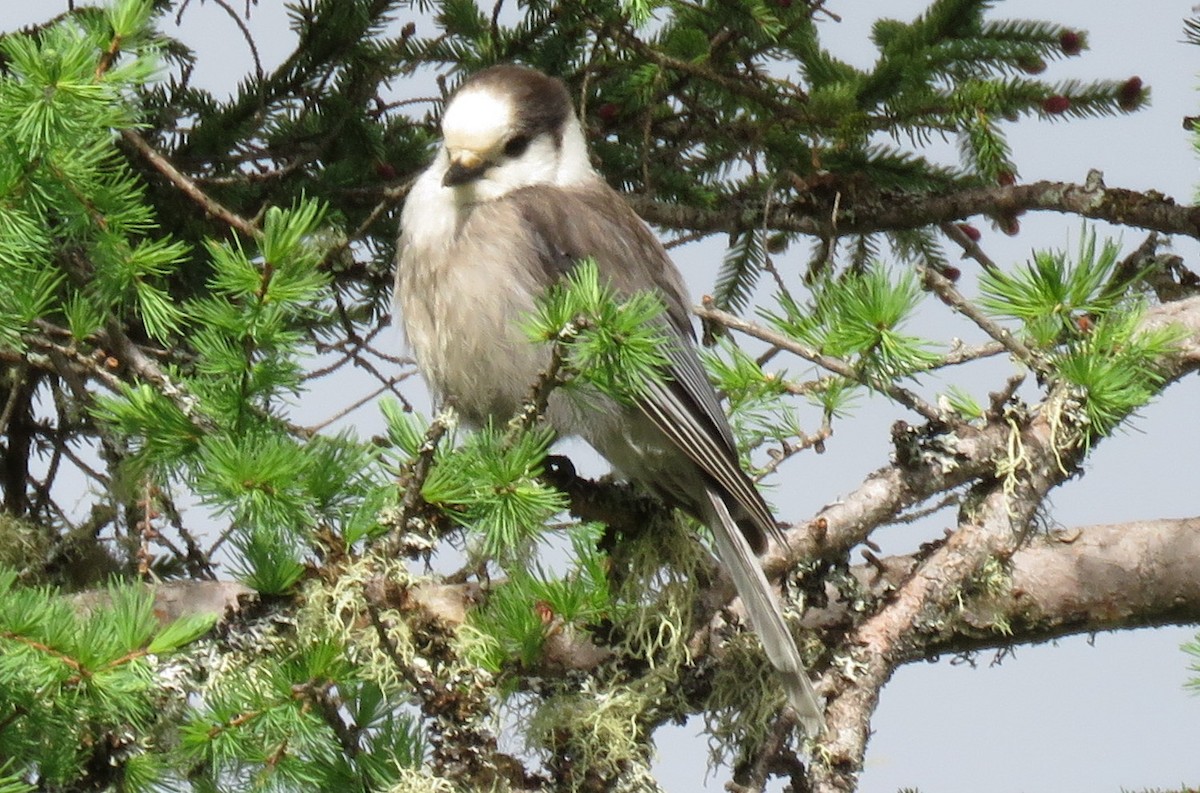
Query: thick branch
x=864, y=214
x=994, y=529
x=1184, y=315
x=1080, y=580
x=1127, y=575
x=942, y=463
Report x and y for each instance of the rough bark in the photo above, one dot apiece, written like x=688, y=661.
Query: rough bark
x=860, y=212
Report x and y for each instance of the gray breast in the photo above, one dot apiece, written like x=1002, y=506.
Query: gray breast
x=463, y=301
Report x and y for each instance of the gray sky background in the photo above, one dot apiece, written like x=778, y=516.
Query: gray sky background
x=1102, y=714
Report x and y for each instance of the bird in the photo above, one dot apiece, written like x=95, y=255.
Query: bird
x=508, y=206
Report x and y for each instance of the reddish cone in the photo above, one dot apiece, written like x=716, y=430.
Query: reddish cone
x=1053, y=105
x=1129, y=95
x=1071, y=42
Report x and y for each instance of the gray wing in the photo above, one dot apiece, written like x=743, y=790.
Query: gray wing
x=595, y=221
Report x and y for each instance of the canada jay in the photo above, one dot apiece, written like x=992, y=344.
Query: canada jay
x=509, y=205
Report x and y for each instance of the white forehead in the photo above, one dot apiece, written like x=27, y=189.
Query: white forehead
x=477, y=119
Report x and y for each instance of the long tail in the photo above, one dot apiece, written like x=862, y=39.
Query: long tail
x=737, y=556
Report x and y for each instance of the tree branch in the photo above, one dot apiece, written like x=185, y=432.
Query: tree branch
x=1081, y=580
x=866, y=213
x=185, y=185
x=1125, y=575
x=993, y=529
x=902, y=395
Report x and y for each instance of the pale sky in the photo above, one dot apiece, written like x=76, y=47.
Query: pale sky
x=1105, y=715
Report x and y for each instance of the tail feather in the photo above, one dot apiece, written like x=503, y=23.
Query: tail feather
x=765, y=615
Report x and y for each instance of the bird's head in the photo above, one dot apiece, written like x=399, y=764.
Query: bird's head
x=510, y=127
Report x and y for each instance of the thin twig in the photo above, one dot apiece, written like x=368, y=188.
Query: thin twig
x=376, y=600
x=356, y=404
x=187, y=186
x=201, y=565
x=554, y=376
x=319, y=693
x=944, y=288
x=416, y=471
x=140, y=364
x=252, y=177
x=69, y=361
x=391, y=197
x=917, y=514
x=964, y=354
x=258, y=69
x=685, y=239
x=836, y=365
x=100, y=477
x=766, y=357
x=970, y=247
x=765, y=231
x=789, y=449
x=819, y=7
x=16, y=377
x=791, y=110
x=145, y=530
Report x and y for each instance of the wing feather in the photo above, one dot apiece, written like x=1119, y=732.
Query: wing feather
x=595, y=221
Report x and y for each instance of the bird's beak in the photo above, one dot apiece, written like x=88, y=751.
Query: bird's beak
x=465, y=166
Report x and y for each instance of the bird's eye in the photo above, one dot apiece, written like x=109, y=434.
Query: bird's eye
x=516, y=146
